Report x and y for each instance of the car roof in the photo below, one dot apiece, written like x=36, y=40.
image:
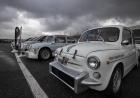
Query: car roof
x=117, y=26
x=60, y=35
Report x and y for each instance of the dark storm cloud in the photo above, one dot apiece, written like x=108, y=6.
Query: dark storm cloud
x=76, y=8
x=7, y=14
x=68, y=14
x=57, y=23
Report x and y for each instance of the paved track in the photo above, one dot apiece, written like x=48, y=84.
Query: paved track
x=12, y=81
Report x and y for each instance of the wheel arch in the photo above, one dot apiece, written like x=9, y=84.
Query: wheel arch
x=108, y=88
x=44, y=48
x=118, y=64
x=121, y=66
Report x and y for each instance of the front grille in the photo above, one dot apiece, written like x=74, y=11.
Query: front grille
x=69, y=80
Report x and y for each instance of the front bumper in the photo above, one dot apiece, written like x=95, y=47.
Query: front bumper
x=77, y=81
x=31, y=55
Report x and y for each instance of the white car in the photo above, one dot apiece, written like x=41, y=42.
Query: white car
x=45, y=48
x=99, y=61
x=136, y=33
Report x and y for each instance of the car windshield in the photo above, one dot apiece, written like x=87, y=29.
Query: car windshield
x=40, y=38
x=34, y=39
x=107, y=34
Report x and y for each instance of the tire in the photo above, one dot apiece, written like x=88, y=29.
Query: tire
x=114, y=87
x=45, y=54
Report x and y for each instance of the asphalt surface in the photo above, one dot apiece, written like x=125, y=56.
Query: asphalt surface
x=14, y=85
x=12, y=81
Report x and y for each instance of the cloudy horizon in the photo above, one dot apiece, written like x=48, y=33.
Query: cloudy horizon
x=64, y=16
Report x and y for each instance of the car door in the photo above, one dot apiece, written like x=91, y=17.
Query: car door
x=129, y=50
x=48, y=41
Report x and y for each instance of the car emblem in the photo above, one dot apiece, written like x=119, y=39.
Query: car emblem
x=65, y=60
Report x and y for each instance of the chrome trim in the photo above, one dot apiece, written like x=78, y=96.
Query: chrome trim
x=90, y=82
x=74, y=63
x=81, y=79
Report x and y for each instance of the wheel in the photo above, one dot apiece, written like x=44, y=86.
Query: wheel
x=44, y=54
x=114, y=87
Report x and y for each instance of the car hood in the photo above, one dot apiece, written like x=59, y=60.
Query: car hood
x=83, y=49
x=30, y=42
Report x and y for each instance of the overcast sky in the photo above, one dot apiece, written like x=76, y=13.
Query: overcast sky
x=65, y=16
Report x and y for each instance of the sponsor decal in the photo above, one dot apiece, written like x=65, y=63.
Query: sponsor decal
x=116, y=57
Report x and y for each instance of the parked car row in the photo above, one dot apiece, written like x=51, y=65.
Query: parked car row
x=100, y=59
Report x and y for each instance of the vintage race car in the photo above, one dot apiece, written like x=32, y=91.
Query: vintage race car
x=45, y=48
x=100, y=60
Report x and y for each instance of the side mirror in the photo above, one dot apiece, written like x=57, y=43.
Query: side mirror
x=125, y=42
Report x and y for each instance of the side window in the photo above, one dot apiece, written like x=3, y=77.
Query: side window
x=43, y=38
x=60, y=40
x=48, y=39
x=127, y=36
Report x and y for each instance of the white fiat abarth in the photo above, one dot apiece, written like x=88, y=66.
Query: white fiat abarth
x=99, y=61
x=45, y=48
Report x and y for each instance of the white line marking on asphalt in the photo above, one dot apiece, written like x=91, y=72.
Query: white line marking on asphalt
x=34, y=86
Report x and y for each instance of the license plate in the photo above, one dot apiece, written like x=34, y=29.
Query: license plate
x=64, y=60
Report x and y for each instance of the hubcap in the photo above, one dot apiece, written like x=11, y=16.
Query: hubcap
x=117, y=81
x=45, y=54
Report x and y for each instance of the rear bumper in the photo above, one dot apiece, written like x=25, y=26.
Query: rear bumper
x=77, y=81
x=31, y=55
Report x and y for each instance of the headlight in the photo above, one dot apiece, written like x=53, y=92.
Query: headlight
x=93, y=62
x=29, y=47
x=55, y=54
